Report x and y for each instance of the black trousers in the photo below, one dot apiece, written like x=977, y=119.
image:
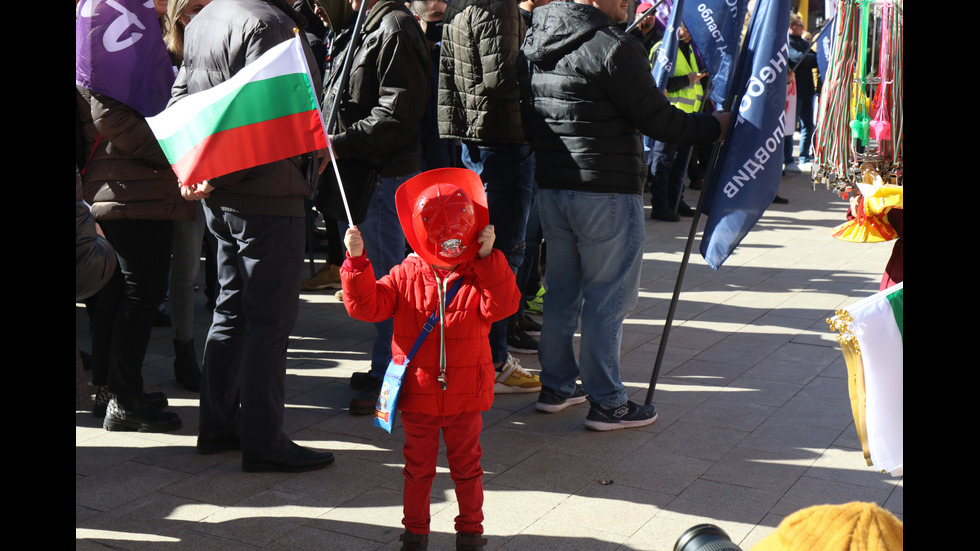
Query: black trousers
x=127, y=304
x=243, y=386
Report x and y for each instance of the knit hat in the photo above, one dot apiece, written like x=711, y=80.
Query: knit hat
x=852, y=526
x=442, y=212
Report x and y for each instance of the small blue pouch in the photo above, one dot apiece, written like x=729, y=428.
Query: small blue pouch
x=387, y=407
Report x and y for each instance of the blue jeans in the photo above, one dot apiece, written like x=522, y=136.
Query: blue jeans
x=384, y=244
x=804, y=116
x=595, y=243
x=668, y=165
x=507, y=172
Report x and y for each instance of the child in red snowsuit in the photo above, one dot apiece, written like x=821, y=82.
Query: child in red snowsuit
x=450, y=380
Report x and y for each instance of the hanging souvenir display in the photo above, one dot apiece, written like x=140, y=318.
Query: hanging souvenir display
x=860, y=124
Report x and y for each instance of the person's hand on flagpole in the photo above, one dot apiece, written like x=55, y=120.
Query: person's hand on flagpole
x=724, y=119
x=196, y=192
x=354, y=242
x=486, y=239
x=694, y=77
x=323, y=158
x=187, y=192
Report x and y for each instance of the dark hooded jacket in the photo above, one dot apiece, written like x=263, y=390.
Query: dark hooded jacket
x=589, y=97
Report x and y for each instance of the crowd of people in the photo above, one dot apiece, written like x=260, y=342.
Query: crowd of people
x=545, y=111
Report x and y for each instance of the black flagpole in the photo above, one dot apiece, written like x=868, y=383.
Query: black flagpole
x=692, y=234
x=331, y=116
x=648, y=11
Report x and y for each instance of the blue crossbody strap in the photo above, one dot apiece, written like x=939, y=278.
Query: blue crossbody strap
x=431, y=322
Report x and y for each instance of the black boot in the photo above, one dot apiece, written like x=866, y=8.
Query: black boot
x=186, y=371
x=414, y=542
x=127, y=413
x=367, y=399
x=466, y=541
x=103, y=396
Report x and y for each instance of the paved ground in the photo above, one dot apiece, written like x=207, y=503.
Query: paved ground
x=754, y=423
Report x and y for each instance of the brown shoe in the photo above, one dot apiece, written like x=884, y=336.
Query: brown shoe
x=414, y=542
x=466, y=541
x=327, y=276
x=366, y=400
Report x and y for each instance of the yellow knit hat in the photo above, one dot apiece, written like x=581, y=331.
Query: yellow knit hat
x=852, y=526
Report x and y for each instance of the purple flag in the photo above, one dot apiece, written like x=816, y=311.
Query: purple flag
x=119, y=52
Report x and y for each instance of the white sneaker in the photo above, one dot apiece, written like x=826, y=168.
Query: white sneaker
x=792, y=167
x=514, y=379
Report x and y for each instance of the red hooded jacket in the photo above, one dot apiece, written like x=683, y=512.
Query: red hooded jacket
x=409, y=293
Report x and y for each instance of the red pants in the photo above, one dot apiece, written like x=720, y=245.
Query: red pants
x=462, y=435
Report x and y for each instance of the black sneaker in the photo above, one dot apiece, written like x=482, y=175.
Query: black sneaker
x=528, y=325
x=625, y=416
x=550, y=401
x=520, y=342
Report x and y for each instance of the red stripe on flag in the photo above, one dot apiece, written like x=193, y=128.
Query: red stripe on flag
x=251, y=145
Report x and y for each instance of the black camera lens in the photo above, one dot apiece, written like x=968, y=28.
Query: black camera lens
x=705, y=537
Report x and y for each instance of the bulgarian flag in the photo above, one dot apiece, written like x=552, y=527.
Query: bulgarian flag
x=872, y=341
x=266, y=112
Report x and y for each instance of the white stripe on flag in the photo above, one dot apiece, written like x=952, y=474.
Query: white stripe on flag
x=882, y=353
x=277, y=61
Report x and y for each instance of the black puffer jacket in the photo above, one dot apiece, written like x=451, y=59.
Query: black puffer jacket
x=479, y=95
x=382, y=108
x=225, y=37
x=589, y=97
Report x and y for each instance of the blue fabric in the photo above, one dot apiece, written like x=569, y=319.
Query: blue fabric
x=804, y=117
x=716, y=27
x=668, y=164
x=595, y=243
x=745, y=181
x=507, y=172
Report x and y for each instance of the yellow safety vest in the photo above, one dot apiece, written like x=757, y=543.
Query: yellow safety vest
x=689, y=98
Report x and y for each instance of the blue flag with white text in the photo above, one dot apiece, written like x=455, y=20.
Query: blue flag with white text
x=825, y=45
x=746, y=178
x=666, y=55
x=716, y=27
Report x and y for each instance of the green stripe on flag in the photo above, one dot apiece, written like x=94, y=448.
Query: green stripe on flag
x=254, y=102
x=897, y=300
